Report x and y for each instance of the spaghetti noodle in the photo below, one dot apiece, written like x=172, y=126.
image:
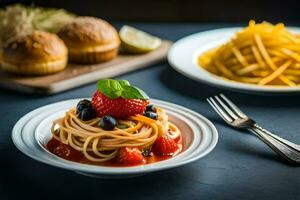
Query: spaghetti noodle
x=99, y=145
x=262, y=54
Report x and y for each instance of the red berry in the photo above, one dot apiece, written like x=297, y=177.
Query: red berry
x=130, y=156
x=118, y=108
x=164, y=146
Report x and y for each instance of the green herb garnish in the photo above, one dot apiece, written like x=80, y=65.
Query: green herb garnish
x=120, y=88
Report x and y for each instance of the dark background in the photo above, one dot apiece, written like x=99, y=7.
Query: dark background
x=240, y=167
x=178, y=10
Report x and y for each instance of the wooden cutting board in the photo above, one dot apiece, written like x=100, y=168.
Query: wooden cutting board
x=77, y=75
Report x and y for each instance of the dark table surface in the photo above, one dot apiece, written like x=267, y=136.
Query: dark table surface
x=240, y=167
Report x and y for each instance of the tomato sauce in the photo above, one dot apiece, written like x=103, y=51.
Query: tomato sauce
x=66, y=152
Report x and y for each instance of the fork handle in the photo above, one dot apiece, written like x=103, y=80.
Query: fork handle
x=283, y=141
x=285, y=151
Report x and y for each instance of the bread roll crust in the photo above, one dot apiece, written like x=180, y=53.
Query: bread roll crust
x=90, y=40
x=89, y=32
x=35, y=53
x=36, y=47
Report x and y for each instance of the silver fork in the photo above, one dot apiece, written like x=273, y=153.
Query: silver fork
x=233, y=116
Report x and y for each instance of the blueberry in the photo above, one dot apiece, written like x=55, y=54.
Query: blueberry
x=85, y=110
x=83, y=104
x=87, y=114
x=108, y=122
x=151, y=108
x=151, y=115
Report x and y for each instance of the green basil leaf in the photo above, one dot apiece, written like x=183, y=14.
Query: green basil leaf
x=110, y=88
x=120, y=88
x=131, y=92
x=124, y=83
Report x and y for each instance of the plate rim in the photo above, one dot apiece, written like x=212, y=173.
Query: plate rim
x=210, y=145
x=213, y=80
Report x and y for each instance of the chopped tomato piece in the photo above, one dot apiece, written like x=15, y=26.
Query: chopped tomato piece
x=164, y=145
x=130, y=156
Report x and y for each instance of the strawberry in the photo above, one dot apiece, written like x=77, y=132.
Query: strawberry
x=164, y=146
x=130, y=156
x=119, y=107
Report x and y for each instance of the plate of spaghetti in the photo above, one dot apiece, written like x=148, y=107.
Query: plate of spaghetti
x=260, y=58
x=119, y=132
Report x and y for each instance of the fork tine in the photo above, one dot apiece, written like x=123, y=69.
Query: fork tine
x=225, y=107
x=234, y=107
x=220, y=112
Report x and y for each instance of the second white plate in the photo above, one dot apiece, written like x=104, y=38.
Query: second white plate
x=183, y=58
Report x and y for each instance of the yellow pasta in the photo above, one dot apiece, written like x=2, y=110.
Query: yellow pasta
x=262, y=54
x=99, y=145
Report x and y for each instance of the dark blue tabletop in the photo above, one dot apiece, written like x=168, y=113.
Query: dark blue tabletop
x=240, y=167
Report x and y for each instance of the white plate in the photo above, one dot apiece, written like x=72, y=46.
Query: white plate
x=32, y=132
x=183, y=58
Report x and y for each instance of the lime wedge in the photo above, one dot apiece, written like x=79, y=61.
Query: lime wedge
x=137, y=41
